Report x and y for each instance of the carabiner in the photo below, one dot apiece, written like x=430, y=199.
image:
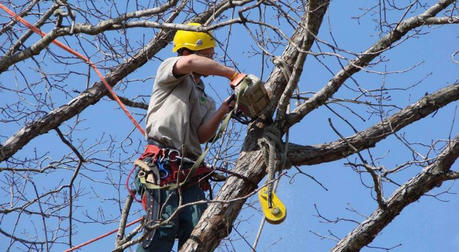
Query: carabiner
x=163, y=172
x=171, y=157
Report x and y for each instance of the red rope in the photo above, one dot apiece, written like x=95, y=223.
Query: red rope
x=101, y=236
x=70, y=50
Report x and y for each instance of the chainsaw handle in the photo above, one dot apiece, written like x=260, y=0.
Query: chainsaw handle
x=232, y=97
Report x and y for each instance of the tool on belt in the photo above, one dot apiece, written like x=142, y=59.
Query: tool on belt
x=251, y=96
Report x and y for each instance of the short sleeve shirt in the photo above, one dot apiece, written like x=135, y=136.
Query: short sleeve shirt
x=178, y=106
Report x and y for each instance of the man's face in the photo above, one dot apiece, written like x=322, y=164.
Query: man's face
x=208, y=53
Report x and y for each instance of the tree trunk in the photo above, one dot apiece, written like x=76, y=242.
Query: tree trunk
x=217, y=221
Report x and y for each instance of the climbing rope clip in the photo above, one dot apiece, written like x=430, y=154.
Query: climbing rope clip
x=273, y=209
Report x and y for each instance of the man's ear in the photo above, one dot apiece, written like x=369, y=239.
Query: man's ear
x=186, y=52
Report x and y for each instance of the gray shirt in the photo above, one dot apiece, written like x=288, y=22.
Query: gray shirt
x=178, y=106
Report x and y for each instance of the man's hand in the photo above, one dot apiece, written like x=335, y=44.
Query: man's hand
x=208, y=129
x=228, y=104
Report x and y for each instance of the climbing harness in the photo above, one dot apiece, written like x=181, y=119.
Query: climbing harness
x=162, y=168
x=165, y=168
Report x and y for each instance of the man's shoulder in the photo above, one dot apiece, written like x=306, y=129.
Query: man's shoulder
x=170, y=60
x=165, y=74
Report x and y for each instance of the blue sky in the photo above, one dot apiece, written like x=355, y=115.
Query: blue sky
x=426, y=225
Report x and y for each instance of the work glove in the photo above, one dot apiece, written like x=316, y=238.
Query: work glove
x=237, y=78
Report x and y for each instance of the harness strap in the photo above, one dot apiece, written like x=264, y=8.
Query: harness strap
x=152, y=150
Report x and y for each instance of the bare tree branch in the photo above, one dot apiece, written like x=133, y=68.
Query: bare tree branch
x=432, y=176
x=308, y=155
x=363, y=60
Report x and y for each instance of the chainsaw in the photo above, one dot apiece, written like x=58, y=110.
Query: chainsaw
x=251, y=98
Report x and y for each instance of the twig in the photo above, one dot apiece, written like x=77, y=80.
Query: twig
x=376, y=179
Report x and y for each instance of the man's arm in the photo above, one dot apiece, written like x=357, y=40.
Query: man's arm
x=194, y=63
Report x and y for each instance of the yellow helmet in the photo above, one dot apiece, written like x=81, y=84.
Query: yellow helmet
x=192, y=40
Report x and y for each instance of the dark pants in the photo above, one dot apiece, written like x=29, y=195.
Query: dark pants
x=182, y=224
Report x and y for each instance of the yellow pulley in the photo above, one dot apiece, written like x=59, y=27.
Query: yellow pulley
x=276, y=213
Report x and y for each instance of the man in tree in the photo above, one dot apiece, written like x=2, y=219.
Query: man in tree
x=180, y=117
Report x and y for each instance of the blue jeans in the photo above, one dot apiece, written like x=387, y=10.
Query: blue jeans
x=182, y=224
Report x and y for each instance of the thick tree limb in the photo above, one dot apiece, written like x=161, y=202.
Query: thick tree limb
x=432, y=176
x=442, y=20
x=309, y=155
x=306, y=32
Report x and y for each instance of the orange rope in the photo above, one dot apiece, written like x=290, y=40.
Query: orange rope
x=70, y=50
x=101, y=236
